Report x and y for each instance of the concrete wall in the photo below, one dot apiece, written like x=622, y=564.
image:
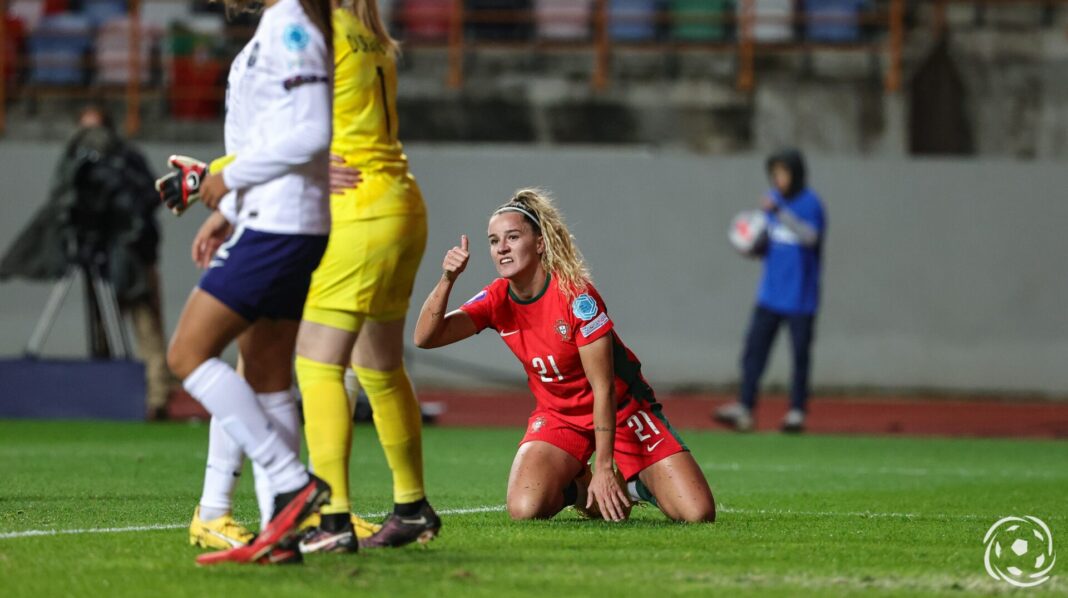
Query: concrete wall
x=939, y=274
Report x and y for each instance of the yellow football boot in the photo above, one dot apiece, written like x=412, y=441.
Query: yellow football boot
x=221, y=533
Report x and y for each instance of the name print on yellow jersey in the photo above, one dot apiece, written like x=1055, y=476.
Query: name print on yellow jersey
x=364, y=43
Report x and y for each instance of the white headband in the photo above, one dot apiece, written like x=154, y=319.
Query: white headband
x=521, y=211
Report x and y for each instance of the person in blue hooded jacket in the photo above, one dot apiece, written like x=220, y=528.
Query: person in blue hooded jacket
x=789, y=291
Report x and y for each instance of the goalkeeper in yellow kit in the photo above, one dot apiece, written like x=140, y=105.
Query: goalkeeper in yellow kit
x=355, y=310
x=359, y=295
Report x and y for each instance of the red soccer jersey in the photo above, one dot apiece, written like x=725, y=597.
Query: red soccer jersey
x=545, y=333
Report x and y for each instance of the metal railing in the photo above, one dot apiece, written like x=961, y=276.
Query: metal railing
x=884, y=24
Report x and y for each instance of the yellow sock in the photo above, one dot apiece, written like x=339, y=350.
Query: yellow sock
x=400, y=428
x=327, y=427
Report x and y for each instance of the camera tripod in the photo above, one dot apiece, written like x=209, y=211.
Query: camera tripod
x=106, y=334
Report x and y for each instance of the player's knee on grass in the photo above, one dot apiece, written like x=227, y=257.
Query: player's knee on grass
x=703, y=513
x=690, y=509
x=677, y=485
x=530, y=506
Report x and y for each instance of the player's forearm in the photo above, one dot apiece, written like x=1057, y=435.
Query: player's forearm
x=604, y=425
x=306, y=140
x=432, y=315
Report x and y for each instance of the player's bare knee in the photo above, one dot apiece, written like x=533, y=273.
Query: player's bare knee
x=704, y=516
x=527, y=507
x=184, y=358
x=697, y=513
x=179, y=361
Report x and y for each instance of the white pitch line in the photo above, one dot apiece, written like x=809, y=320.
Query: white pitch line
x=147, y=528
x=501, y=508
x=92, y=530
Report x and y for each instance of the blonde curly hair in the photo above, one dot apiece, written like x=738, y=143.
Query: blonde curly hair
x=561, y=257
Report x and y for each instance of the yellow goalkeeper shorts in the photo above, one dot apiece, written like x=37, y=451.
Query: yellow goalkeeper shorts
x=368, y=270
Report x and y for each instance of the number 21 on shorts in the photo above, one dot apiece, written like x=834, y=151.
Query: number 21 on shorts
x=635, y=422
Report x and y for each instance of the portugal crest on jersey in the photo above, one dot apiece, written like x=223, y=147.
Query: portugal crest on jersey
x=537, y=423
x=562, y=330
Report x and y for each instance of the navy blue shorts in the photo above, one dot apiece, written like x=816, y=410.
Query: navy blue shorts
x=264, y=275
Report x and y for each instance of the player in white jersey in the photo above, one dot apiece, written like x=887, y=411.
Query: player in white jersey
x=273, y=211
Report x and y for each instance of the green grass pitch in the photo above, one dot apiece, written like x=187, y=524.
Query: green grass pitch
x=798, y=516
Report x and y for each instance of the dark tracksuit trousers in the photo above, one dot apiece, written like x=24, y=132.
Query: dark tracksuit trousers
x=758, y=343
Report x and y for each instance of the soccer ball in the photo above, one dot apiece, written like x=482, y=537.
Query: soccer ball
x=749, y=232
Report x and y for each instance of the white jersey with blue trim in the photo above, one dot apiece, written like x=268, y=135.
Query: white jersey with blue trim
x=278, y=124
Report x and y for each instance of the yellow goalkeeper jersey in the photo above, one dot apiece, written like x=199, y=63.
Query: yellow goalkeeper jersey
x=365, y=92
x=365, y=126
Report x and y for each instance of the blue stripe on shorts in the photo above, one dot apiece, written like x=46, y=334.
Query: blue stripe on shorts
x=264, y=275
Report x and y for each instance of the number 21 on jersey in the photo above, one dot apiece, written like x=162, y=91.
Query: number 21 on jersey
x=539, y=365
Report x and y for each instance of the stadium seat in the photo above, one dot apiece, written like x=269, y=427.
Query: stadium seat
x=197, y=98
x=12, y=47
x=700, y=20
x=632, y=20
x=563, y=19
x=113, y=51
x=102, y=11
x=57, y=50
x=55, y=7
x=774, y=20
x=164, y=13
x=833, y=20
x=507, y=20
x=424, y=20
x=190, y=54
x=28, y=11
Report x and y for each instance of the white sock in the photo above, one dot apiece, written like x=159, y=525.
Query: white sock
x=231, y=400
x=225, y=461
x=632, y=491
x=281, y=409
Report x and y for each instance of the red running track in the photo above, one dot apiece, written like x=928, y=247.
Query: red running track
x=838, y=415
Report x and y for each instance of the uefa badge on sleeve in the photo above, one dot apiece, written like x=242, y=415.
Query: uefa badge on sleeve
x=1019, y=551
x=584, y=307
x=295, y=37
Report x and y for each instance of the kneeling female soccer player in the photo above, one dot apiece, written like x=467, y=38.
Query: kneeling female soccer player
x=589, y=392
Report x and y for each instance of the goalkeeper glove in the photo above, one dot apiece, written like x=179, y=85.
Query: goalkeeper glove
x=179, y=189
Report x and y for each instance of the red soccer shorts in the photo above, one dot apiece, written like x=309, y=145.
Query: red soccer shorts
x=643, y=437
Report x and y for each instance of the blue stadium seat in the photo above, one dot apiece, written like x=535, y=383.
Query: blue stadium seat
x=57, y=49
x=102, y=11
x=632, y=20
x=833, y=20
